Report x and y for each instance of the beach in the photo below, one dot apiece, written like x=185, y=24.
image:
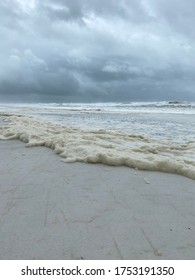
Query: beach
x=56, y=210
x=97, y=181
x=97, y=135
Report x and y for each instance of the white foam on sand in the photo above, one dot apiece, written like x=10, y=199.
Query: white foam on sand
x=103, y=146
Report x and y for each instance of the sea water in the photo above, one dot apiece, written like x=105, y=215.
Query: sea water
x=152, y=136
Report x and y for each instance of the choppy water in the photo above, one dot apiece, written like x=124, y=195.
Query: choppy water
x=152, y=136
x=173, y=121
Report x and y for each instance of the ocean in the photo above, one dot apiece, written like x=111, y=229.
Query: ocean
x=158, y=136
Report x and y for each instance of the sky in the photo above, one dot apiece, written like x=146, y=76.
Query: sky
x=97, y=50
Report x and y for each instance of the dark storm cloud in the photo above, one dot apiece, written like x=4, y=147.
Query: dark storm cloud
x=91, y=50
x=72, y=10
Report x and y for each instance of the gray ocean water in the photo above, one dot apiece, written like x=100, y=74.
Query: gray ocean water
x=148, y=136
x=173, y=121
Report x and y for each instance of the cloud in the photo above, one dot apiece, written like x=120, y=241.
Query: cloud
x=72, y=50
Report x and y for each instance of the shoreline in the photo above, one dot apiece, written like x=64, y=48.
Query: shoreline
x=108, y=147
x=56, y=210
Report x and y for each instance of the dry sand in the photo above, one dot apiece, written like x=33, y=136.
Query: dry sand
x=54, y=210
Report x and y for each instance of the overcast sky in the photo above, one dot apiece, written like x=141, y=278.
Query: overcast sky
x=97, y=50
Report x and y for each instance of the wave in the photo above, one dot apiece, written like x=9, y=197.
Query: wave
x=171, y=107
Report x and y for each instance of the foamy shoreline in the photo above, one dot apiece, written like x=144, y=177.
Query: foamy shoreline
x=102, y=146
x=54, y=210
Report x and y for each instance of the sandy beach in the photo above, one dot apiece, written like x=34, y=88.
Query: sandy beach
x=56, y=210
x=97, y=131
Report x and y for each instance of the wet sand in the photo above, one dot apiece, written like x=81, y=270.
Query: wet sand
x=55, y=210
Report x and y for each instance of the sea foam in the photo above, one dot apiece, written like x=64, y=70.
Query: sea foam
x=103, y=146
